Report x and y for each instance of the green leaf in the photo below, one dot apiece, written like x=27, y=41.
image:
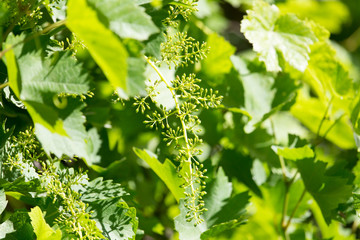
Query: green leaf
x=224, y=212
x=218, y=60
x=136, y=78
x=22, y=224
x=218, y=193
x=166, y=171
x=238, y=166
x=21, y=186
x=3, y=201
x=328, y=190
x=234, y=208
x=276, y=37
x=141, y=2
x=258, y=91
x=79, y=142
x=153, y=45
x=42, y=230
x=125, y=18
x=217, y=229
x=59, y=123
x=325, y=73
x=330, y=14
x=5, y=134
x=310, y=111
x=98, y=189
x=59, y=74
x=103, y=45
x=114, y=218
x=187, y=230
x=295, y=153
x=7, y=226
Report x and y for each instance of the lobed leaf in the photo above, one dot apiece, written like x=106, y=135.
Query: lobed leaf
x=42, y=230
x=310, y=111
x=125, y=18
x=218, y=60
x=59, y=123
x=224, y=212
x=294, y=153
x=325, y=73
x=275, y=37
x=166, y=171
x=327, y=189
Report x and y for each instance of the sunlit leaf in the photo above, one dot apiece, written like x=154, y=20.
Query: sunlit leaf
x=42, y=230
x=275, y=37
x=125, y=18
x=110, y=55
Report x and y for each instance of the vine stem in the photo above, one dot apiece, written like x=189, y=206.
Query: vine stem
x=285, y=227
x=324, y=117
x=46, y=30
x=286, y=203
x=177, y=106
x=4, y=85
x=184, y=128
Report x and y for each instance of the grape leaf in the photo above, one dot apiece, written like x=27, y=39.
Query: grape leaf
x=187, y=230
x=325, y=73
x=98, y=189
x=22, y=224
x=58, y=122
x=5, y=134
x=294, y=153
x=224, y=212
x=7, y=226
x=79, y=142
x=258, y=91
x=310, y=111
x=125, y=18
x=136, y=78
x=219, y=228
x=21, y=186
x=141, y=2
x=239, y=166
x=111, y=54
x=3, y=201
x=166, y=171
x=330, y=14
x=218, y=60
x=42, y=230
x=113, y=216
x=327, y=189
x=276, y=37
x=218, y=193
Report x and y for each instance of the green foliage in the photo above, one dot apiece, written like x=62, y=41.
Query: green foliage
x=330, y=14
x=41, y=228
x=278, y=37
x=328, y=189
x=184, y=119
x=109, y=54
x=295, y=153
x=7, y=226
x=225, y=212
x=166, y=172
x=104, y=199
x=126, y=19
